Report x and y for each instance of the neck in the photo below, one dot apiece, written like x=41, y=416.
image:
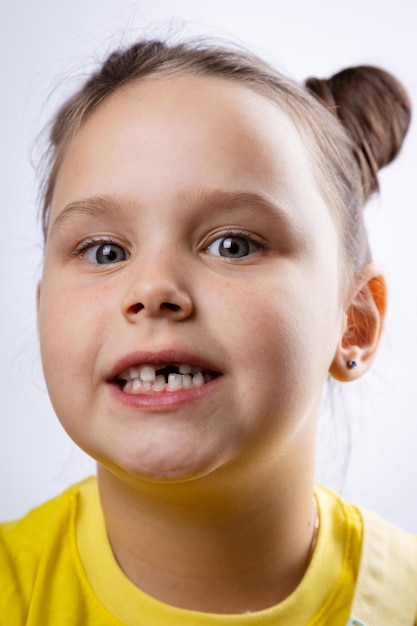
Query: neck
x=204, y=546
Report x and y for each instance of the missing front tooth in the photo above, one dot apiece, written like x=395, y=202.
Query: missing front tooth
x=166, y=371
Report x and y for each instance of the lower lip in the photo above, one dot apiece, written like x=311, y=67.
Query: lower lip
x=168, y=399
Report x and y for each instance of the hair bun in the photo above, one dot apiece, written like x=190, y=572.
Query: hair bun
x=374, y=108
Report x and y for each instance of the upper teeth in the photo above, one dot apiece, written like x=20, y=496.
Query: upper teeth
x=147, y=373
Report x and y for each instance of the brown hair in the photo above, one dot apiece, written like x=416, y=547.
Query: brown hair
x=359, y=129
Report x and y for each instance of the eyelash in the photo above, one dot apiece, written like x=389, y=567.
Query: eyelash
x=87, y=244
x=243, y=234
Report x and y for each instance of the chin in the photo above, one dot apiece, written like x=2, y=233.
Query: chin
x=164, y=466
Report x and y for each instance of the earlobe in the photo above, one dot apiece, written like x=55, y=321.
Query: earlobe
x=363, y=322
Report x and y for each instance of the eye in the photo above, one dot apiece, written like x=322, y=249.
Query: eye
x=233, y=247
x=104, y=253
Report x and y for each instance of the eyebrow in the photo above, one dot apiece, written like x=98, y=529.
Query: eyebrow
x=94, y=206
x=230, y=200
x=235, y=199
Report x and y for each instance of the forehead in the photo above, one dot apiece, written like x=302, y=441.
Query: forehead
x=184, y=132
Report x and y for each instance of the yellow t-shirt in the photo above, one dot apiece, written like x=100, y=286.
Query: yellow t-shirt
x=57, y=569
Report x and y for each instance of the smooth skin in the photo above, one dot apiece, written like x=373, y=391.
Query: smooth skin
x=169, y=172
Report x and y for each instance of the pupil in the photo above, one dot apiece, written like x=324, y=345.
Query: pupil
x=107, y=253
x=235, y=247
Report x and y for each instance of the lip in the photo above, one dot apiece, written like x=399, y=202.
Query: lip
x=158, y=401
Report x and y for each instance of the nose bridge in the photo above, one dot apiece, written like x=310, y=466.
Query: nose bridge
x=157, y=285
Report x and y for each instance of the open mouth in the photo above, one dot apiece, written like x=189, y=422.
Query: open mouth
x=163, y=378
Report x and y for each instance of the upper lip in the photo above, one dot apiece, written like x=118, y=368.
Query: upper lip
x=159, y=357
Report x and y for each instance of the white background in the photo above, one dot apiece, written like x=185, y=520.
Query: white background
x=42, y=43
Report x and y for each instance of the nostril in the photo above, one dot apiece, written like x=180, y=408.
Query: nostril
x=135, y=308
x=164, y=306
x=170, y=306
x=159, y=301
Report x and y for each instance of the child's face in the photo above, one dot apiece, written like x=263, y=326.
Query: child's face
x=187, y=229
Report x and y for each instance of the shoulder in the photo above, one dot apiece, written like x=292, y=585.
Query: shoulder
x=387, y=582
x=357, y=520
x=35, y=547
x=36, y=528
x=384, y=565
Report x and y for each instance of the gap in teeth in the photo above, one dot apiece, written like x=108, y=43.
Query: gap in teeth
x=149, y=373
x=169, y=378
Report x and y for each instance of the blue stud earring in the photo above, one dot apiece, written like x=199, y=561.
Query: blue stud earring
x=352, y=364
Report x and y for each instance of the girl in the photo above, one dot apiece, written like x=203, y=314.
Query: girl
x=206, y=268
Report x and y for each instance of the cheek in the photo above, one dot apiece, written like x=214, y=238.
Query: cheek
x=71, y=328
x=285, y=331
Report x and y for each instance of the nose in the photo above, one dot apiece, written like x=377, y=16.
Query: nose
x=157, y=296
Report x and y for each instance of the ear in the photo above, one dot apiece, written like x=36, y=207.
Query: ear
x=363, y=322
